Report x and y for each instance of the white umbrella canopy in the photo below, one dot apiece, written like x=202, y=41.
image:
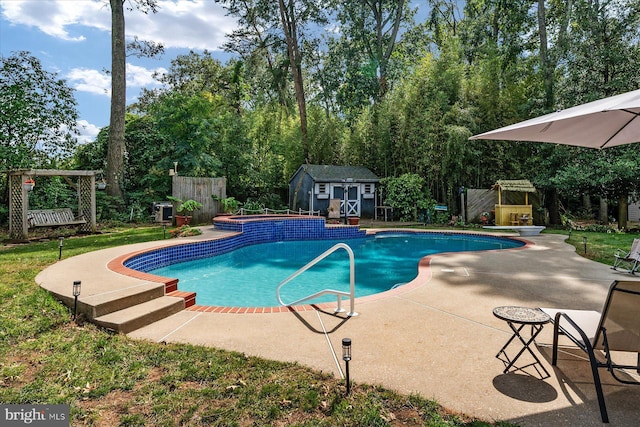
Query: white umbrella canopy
x=599, y=124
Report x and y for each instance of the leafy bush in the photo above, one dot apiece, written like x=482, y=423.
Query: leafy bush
x=228, y=204
x=600, y=228
x=407, y=194
x=271, y=201
x=441, y=217
x=4, y=214
x=185, y=205
x=51, y=192
x=253, y=206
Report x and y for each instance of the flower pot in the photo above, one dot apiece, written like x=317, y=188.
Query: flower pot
x=182, y=220
x=354, y=220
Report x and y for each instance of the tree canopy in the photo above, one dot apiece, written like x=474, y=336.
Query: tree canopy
x=363, y=83
x=38, y=113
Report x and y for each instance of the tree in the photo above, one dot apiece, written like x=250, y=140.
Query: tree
x=271, y=31
x=363, y=54
x=196, y=73
x=116, y=149
x=602, y=56
x=258, y=41
x=37, y=113
x=612, y=174
x=602, y=51
x=289, y=17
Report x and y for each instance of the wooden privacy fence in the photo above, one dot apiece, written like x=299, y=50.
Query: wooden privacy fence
x=478, y=201
x=200, y=190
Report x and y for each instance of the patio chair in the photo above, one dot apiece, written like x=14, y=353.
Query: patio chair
x=617, y=328
x=629, y=260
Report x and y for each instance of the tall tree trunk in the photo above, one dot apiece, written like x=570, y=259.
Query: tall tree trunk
x=545, y=63
x=623, y=212
x=554, y=208
x=603, y=215
x=287, y=16
x=586, y=203
x=115, y=152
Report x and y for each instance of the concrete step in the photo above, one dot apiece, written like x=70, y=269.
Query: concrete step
x=109, y=302
x=135, y=317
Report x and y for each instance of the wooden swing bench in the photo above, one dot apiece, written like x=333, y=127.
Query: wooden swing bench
x=53, y=218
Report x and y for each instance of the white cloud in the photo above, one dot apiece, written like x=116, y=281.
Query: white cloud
x=142, y=77
x=55, y=17
x=88, y=132
x=92, y=81
x=99, y=83
x=196, y=24
x=191, y=24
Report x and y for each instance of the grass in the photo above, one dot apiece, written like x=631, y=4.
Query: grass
x=600, y=247
x=111, y=380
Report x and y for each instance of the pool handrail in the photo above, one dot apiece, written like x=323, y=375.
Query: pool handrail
x=339, y=294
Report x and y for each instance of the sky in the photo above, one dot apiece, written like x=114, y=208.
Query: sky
x=72, y=38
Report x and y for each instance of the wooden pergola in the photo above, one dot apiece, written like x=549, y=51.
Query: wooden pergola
x=514, y=214
x=19, y=198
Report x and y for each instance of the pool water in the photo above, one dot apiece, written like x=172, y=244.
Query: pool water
x=249, y=276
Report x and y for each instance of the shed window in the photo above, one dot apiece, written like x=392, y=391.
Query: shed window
x=368, y=191
x=322, y=191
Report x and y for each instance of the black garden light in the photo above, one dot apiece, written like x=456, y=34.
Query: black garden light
x=584, y=242
x=76, y=293
x=60, y=243
x=346, y=356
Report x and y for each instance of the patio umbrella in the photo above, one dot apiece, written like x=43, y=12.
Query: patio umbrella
x=599, y=124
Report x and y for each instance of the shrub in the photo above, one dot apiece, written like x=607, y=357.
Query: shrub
x=407, y=194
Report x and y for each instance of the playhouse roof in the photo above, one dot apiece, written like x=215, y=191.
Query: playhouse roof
x=330, y=173
x=520, y=185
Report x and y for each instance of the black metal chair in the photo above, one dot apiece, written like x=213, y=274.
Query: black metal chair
x=617, y=328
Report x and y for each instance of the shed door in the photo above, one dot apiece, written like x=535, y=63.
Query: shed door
x=353, y=199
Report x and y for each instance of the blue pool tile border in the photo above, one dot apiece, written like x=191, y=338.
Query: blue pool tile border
x=260, y=230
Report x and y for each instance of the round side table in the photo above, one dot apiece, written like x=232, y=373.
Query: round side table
x=517, y=318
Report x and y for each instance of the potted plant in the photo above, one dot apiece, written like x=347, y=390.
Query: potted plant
x=228, y=205
x=29, y=184
x=187, y=206
x=484, y=218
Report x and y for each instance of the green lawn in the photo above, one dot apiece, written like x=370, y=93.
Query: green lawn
x=112, y=380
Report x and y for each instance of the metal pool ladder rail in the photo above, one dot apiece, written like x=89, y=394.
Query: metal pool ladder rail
x=339, y=294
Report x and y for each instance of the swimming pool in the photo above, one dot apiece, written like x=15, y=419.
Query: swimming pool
x=248, y=276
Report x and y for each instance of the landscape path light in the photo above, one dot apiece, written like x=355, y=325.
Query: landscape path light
x=76, y=294
x=346, y=356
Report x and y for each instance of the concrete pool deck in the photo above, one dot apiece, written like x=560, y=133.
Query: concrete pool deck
x=438, y=339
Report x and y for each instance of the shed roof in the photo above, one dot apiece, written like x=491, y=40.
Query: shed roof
x=330, y=173
x=521, y=185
